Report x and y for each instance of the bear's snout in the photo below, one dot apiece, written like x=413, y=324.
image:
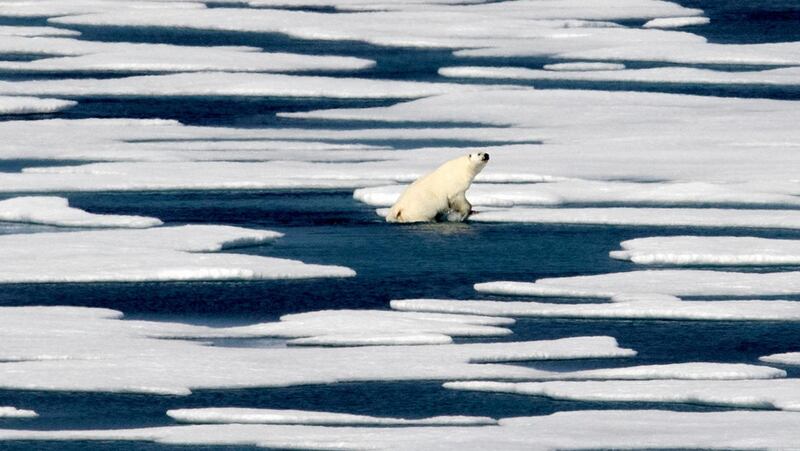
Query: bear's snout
x=485, y=157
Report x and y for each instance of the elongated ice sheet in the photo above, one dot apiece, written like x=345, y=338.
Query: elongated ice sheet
x=710, y=250
x=583, y=429
x=56, y=211
x=32, y=105
x=79, y=349
x=781, y=394
x=274, y=416
x=165, y=253
x=13, y=412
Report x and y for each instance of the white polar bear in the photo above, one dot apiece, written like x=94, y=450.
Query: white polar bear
x=441, y=191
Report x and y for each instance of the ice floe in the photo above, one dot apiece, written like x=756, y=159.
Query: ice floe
x=787, y=358
x=230, y=84
x=581, y=66
x=582, y=429
x=710, y=250
x=676, y=22
x=676, y=75
x=645, y=307
x=781, y=394
x=13, y=412
x=583, y=192
x=32, y=105
x=73, y=55
x=303, y=417
x=164, y=253
x=80, y=349
x=659, y=217
x=7, y=30
x=56, y=211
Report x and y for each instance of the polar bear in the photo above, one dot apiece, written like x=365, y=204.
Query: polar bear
x=441, y=191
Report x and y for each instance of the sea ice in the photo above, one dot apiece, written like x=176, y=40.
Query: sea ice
x=781, y=394
x=676, y=22
x=302, y=417
x=80, y=349
x=56, y=211
x=13, y=412
x=163, y=253
x=582, y=66
x=787, y=358
x=7, y=30
x=658, y=217
x=32, y=105
x=647, y=307
x=710, y=250
x=581, y=429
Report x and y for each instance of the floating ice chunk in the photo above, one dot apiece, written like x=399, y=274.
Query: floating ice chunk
x=702, y=250
x=787, y=358
x=658, y=217
x=6, y=30
x=582, y=429
x=78, y=349
x=364, y=327
x=676, y=371
x=782, y=394
x=231, y=84
x=599, y=193
x=676, y=22
x=664, y=308
x=624, y=286
x=585, y=66
x=51, y=8
x=13, y=412
x=778, y=77
x=273, y=416
x=168, y=253
x=32, y=105
x=56, y=211
x=73, y=55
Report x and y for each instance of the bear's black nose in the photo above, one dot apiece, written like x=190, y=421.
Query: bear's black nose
x=485, y=157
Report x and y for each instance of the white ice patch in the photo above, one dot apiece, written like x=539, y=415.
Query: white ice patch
x=13, y=412
x=158, y=254
x=781, y=394
x=6, y=30
x=79, y=349
x=627, y=286
x=363, y=327
x=74, y=55
x=676, y=22
x=787, y=358
x=655, y=217
x=585, y=66
x=583, y=429
x=230, y=85
x=32, y=105
x=675, y=75
x=602, y=192
x=56, y=211
x=710, y=250
x=303, y=417
x=645, y=307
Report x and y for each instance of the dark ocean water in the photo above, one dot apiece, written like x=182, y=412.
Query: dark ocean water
x=438, y=260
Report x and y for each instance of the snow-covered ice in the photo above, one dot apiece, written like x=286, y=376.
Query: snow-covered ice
x=32, y=105
x=162, y=253
x=645, y=307
x=582, y=429
x=676, y=22
x=659, y=217
x=81, y=349
x=56, y=211
x=230, y=84
x=273, y=416
x=13, y=412
x=786, y=358
x=583, y=66
x=710, y=250
x=781, y=394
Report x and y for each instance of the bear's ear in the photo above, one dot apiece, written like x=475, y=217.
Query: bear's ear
x=399, y=212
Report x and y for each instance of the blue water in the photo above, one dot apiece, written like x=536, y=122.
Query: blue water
x=438, y=261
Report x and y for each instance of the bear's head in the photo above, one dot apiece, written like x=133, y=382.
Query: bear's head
x=478, y=161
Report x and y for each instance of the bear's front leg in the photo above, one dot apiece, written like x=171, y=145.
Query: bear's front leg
x=461, y=206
